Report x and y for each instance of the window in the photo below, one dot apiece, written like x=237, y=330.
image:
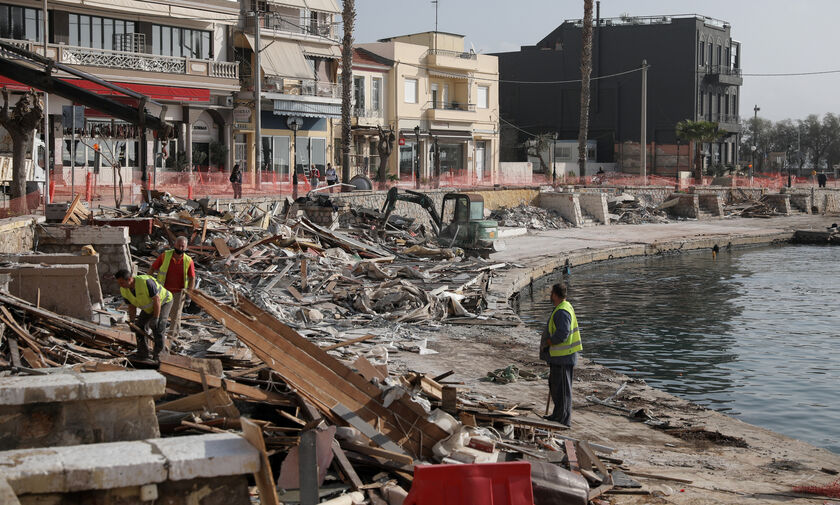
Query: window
x=701, y=57
x=179, y=42
x=482, y=97
x=700, y=104
x=376, y=93
x=410, y=91
x=359, y=92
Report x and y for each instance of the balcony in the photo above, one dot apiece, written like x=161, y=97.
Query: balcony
x=442, y=58
x=125, y=60
x=362, y=116
x=450, y=111
x=294, y=24
x=729, y=123
x=722, y=74
x=301, y=87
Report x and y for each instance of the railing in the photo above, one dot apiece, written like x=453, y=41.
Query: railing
x=302, y=87
x=455, y=54
x=369, y=113
x=75, y=55
x=726, y=118
x=723, y=70
x=470, y=107
x=294, y=24
x=653, y=20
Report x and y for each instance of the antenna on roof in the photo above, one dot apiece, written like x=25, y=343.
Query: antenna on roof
x=437, y=4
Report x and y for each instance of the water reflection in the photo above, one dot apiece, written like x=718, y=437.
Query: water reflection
x=748, y=333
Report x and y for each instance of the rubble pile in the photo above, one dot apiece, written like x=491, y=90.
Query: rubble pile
x=293, y=327
x=530, y=217
x=629, y=209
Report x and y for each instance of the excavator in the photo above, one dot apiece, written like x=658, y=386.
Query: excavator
x=460, y=222
x=37, y=71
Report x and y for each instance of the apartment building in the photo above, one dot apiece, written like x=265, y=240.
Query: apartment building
x=438, y=93
x=176, y=52
x=299, y=59
x=694, y=73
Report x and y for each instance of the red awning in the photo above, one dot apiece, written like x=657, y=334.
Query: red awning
x=171, y=93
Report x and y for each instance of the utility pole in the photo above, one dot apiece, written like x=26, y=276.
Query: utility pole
x=46, y=122
x=643, y=140
x=257, y=98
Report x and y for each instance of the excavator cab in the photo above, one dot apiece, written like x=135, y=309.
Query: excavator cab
x=463, y=224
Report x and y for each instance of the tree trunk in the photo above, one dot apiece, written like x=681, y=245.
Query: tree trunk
x=348, y=17
x=586, y=73
x=698, y=163
x=18, y=188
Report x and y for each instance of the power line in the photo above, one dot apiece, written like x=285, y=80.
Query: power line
x=793, y=74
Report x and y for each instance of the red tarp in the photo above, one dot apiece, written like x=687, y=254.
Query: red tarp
x=173, y=93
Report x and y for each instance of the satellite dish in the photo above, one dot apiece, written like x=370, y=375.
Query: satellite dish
x=294, y=123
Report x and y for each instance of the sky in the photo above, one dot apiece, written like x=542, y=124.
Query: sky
x=777, y=36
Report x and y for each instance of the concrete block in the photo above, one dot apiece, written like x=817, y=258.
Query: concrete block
x=711, y=203
x=595, y=205
x=687, y=205
x=92, y=262
x=62, y=289
x=779, y=202
x=107, y=466
x=207, y=455
x=58, y=387
x=17, y=234
x=83, y=235
x=31, y=471
x=567, y=204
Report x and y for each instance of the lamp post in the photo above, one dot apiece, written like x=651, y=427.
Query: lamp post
x=677, y=166
x=553, y=154
x=755, y=138
x=417, y=157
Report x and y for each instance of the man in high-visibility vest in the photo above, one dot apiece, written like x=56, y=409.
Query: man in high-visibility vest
x=154, y=301
x=559, y=346
x=175, y=271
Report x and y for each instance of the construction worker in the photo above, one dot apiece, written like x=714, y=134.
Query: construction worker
x=154, y=301
x=559, y=346
x=175, y=271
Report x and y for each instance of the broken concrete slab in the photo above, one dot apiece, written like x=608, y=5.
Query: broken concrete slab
x=94, y=286
x=62, y=289
x=192, y=457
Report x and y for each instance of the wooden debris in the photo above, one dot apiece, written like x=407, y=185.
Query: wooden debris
x=265, y=483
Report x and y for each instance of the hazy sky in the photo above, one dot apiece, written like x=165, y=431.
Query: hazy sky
x=777, y=36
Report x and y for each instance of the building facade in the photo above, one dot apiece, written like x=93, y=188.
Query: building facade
x=694, y=72
x=299, y=59
x=439, y=94
x=177, y=53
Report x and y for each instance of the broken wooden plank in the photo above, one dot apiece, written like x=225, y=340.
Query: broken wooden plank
x=219, y=402
x=348, y=342
x=221, y=247
x=571, y=455
x=657, y=476
x=265, y=483
x=230, y=386
x=585, y=448
x=366, y=429
x=598, y=491
x=368, y=371
x=13, y=348
x=377, y=452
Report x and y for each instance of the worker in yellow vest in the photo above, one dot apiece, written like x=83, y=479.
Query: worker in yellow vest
x=176, y=272
x=154, y=301
x=559, y=346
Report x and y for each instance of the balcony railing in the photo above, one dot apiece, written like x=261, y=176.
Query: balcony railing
x=470, y=107
x=73, y=55
x=723, y=70
x=362, y=112
x=455, y=54
x=301, y=87
x=295, y=24
x=726, y=118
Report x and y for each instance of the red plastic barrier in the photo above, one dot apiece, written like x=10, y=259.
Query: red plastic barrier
x=89, y=187
x=479, y=484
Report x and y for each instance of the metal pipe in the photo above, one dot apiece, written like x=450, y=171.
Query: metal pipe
x=257, y=100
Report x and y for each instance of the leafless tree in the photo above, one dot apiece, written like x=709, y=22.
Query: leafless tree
x=24, y=117
x=385, y=147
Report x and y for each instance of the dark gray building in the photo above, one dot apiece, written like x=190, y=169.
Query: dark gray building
x=694, y=73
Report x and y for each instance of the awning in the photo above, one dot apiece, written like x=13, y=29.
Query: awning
x=332, y=51
x=191, y=13
x=291, y=3
x=126, y=5
x=323, y=5
x=449, y=75
x=170, y=93
x=307, y=109
x=452, y=134
x=283, y=59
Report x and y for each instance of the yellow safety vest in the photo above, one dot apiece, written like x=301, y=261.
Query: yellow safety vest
x=141, y=298
x=572, y=343
x=167, y=257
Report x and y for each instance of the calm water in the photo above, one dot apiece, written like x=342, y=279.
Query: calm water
x=753, y=334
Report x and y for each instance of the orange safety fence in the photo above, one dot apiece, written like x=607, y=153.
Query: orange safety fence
x=831, y=490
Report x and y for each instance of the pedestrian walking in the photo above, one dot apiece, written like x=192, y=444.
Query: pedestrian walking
x=314, y=177
x=332, y=177
x=559, y=346
x=175, y=270
x=154, y=301
x=236, y=181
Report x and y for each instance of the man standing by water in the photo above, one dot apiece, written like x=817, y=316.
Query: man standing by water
x=176, y=272
x=559, y=346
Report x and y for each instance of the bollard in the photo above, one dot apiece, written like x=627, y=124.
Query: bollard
x=189, y=191
x=52, y=190
x=89, y=187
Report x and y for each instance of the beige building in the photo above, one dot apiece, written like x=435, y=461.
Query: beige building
x=438, y=92
x=299, y=63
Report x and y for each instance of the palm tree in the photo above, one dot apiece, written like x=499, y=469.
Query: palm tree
x=348, y=17
x=698, y=132
x=586, y=73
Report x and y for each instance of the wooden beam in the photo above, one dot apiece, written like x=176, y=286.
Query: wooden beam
x=348, y=342
x=230, y=386
x=265, y=483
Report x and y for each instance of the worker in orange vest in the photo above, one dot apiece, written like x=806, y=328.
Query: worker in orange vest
x=176, y=272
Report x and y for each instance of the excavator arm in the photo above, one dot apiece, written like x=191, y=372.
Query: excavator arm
x=412, y=197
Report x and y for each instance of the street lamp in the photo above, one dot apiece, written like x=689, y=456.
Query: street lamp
x=677, y=166
x=553, y=154
x=755, y=138
x=417, y=157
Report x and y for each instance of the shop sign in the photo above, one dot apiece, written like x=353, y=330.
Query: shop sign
x=242, y=114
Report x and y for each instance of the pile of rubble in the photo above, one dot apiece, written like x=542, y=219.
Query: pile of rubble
x=290, y=333
x=630, y=209
x=530, y=217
